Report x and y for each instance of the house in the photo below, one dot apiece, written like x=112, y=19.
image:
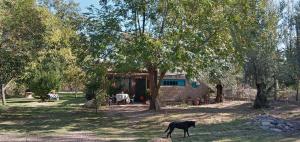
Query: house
x=175, y=87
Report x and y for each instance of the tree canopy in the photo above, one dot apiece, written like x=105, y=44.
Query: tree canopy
x=211, y=40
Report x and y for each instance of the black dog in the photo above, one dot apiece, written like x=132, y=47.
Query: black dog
x=185, y=125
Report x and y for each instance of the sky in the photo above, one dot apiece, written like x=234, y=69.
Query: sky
x=86, y=3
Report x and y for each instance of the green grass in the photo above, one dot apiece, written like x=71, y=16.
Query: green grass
x=231, y=131
x=31, y=117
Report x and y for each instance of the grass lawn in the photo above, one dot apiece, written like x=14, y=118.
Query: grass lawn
x=66, y=119
x=31, y=116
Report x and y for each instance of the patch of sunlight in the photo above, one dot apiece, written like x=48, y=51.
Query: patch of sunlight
x=225, y=140
x=112, y=130
x=41, y=104
x=224, y=104
x=63, y=129
x=295, y=111
x=16, y=102
x=154, y=117
x=213, y=121
x=8, y=123
x=204, y=133
x=204, y=118
x=290, y=140
x=140, y=126
x=119, y=138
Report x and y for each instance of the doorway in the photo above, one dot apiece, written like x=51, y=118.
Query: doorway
x=140, y=90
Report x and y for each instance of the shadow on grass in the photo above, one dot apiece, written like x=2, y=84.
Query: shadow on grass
x=67, y=116
x=64, y=116
x=235, y=130
x=240, y=110
x=23, y=101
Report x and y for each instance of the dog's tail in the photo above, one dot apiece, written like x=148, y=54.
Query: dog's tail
x=167, y=129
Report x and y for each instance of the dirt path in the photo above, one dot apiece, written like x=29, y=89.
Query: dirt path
x=138, y=112
x=138, y=121
x=132, y=111
x=70, y=137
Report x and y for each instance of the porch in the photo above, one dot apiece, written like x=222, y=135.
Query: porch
x=133, y=84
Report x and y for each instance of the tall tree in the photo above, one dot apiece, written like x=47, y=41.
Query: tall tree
x=159, y=36
x=46, y=72
x=21, y=31
x=220, y=74
x=67, y=11
x=255, y=34
x=289, y=39
x=26, y=29
x=297, y=49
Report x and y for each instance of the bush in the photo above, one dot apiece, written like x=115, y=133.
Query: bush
x=43, y=83
x=101, y=99
x=90, y=94
x=91, y=90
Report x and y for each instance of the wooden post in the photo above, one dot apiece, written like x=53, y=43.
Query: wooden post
x=3, y=94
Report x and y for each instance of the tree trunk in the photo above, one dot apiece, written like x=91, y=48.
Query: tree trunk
x=297, y=94
x=276, y=89
x=154, y=102
x=297, y=90
x=261, y=98
x=298, y=37
x=3, y=94
x=297, y=48
x=96, y=105
x=219, y=97
x=76, y=92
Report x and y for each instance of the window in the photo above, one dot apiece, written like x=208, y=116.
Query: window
x=173, y=82
x=195, y=84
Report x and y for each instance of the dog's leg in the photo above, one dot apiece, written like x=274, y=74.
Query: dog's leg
x=188, y=132
x=167, y=129
x=170, y=132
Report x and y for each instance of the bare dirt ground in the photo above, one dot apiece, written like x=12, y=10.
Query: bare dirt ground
x=211, y=113
x=69, y=137
x=224, y=119
x=215, y=122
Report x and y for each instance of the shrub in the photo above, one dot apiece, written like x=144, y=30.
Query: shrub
x=90, y=94
x=91, y=89
x=43, y=83
x=101, y=99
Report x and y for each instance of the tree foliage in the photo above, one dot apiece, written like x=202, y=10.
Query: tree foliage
x=26, y=29
x=36, y=43
x=260, y=42
x=50, y=41
x=160, y=36
x=21, y=30
x=46, y=72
